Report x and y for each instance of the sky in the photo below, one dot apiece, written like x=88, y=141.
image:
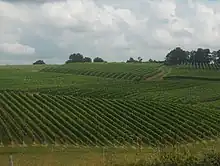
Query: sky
x=114, y=30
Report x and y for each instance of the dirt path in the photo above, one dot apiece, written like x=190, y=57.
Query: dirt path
x=160, y=75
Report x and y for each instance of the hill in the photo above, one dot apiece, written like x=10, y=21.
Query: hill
x=106, y=104
x=86, y=121
x=108, y=70
x=85, y=106
x=201, y=71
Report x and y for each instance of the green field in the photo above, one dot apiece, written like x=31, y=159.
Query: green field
x=196, y=71
x=205, y=154
x=112, y=105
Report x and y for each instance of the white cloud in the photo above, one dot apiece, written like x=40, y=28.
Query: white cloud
x=14, y=12
x=120, y=42
x=16, y=48
x=164, y=9
x=113, y=30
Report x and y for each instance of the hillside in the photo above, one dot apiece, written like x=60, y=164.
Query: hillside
x=120, y=71
x=195, y=71
x=102, y=122
x=107, y=104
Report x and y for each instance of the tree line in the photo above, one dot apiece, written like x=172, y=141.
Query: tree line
x=179, y=56
x=77, y=57
x=73, y=58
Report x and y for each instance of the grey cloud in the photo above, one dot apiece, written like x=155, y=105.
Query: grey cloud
x=182, y=33
x=113, y=30
x=32, y=1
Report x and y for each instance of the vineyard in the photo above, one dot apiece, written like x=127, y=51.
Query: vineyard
x=107, y=105
x=113, y=70
x=200, y=71
x=91, y=122
x=204, y=66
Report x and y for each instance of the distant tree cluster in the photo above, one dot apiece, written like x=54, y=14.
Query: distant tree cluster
x=39, y=62
x=154, y=61
x=132, y=60
x=77, y=57
x=178, y=56
x=97, y=59
x=140, y=60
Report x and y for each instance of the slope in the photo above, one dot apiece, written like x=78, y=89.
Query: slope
x=28, y=118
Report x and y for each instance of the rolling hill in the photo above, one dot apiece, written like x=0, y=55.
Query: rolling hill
x=108, y=104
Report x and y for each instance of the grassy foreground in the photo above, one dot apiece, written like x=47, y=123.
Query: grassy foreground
x=198, y=154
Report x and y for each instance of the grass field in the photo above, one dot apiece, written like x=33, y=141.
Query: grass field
x=89, y=106
x=205, y=153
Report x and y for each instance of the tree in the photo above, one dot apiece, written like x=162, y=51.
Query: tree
x=97, y=59
x=191, y=55
x=207, y=56
x=150, y=60
x=140, y=59
x=39, y=62
x=131, y=60
x=87, y=59
x=176, y=56
x=201, y=56
x=216, y=56
x=75, y=57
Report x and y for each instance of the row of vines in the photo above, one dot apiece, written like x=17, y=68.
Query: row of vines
x=201, y=66
x=39, y=118
x=133, y=76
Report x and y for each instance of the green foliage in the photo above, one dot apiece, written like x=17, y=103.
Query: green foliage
x=132, y=60
x=175, y=159
x=39, y=62
x=178, y=56
x=97, y=59
x=75, y=58
x=87, y=59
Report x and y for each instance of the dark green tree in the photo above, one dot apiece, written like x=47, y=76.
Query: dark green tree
x=192, y=56
x=176, y=56
x=131, y=60
x=75, y=57
x=39, y=62
x=201, y=56
x=140, y=59
x=87, y=59
x=97, y=59
x=207, y=56
x=218, y=56
x=150, y=60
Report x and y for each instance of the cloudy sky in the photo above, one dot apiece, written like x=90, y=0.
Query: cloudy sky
x=112, y=29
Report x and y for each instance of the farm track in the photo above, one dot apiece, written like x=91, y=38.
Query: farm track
x=159, y=76
x=97, y=122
